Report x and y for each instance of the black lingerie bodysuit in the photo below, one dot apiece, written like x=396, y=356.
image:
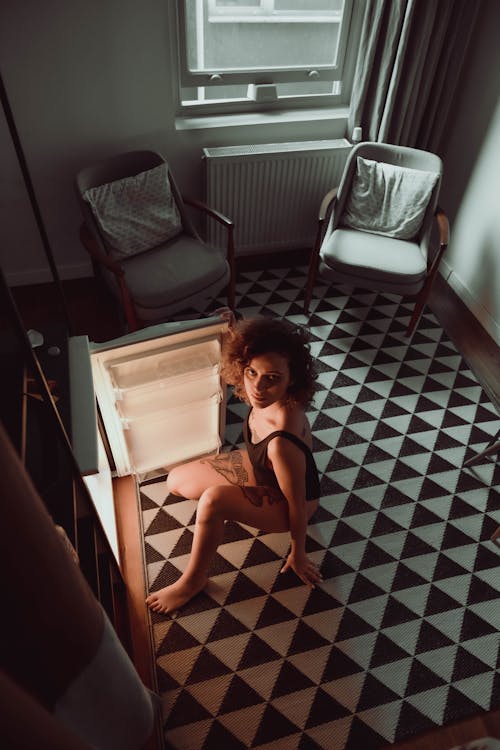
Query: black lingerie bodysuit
x=264, y=476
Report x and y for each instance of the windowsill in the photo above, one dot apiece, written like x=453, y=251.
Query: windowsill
x=272, y=117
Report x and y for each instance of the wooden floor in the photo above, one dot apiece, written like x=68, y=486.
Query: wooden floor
x=89, y=305
x=92, y=311
x=474, y=343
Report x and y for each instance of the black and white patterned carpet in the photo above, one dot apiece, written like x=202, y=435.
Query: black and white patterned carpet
x=403, y=634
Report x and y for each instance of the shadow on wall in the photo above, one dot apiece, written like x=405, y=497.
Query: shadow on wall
x=474, y=253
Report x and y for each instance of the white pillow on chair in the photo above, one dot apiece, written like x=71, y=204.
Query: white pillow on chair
x=136, y=213
x=388, y=199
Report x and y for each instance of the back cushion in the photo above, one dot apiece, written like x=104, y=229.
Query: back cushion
x=136, y=213
x=388, y=199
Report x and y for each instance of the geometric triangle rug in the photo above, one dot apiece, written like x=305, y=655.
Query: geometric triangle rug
x=403, y=633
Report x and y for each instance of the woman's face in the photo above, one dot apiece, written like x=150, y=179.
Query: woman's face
x=267, y=379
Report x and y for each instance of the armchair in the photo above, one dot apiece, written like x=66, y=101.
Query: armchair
x=380, y=220
x=139, y=235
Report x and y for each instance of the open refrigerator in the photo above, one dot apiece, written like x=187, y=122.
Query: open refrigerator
x=143, y=403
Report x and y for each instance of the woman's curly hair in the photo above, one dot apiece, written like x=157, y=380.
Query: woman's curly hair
x=256, y=336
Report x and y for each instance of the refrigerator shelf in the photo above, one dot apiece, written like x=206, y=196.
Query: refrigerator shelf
x=137, y=413
x=191, y=379
x=168, y=365
x=162, y=442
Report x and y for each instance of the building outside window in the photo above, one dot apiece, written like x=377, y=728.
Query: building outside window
x=237, y=55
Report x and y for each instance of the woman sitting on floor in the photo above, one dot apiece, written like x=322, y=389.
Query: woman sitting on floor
x=273, y=485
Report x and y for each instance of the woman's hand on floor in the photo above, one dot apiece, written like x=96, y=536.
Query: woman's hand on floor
x=306, y=570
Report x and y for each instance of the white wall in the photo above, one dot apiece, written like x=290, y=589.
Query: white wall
x=473, y=261
x=87, y=79
x=84, y=79
x=471, y=184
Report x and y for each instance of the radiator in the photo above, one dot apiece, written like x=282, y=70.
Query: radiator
x=271, y=191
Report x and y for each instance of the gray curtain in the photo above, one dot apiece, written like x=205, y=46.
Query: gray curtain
x=412, y=52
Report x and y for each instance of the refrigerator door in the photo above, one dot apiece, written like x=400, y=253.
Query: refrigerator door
x=159, y=393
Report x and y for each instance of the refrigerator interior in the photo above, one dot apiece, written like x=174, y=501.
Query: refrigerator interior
x=159, y=397
x=161, y=400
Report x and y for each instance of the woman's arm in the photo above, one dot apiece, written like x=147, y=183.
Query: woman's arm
x=289, y=466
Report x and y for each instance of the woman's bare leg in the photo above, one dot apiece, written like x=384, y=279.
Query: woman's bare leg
x=224, y=484
x=191, y=479
x=260, y=507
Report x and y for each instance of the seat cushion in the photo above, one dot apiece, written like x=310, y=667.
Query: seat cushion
x=173, y=272
x=373, y=261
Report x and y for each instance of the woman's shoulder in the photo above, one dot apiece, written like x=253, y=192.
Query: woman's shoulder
x=295, y=421
x=294, y=416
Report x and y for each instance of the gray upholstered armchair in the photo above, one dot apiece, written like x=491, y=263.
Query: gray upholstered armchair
x=139, y=234
x=380, y=222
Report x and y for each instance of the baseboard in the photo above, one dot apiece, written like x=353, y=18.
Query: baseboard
x=476, y=308
x=43, y=275
x=445, y=269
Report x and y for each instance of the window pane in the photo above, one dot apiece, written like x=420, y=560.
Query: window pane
x=273, y=34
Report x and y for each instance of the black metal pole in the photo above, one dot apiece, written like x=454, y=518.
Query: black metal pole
x=34, y=203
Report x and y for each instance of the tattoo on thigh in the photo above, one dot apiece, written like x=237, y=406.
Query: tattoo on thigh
x=230, y=466
x=258, y=495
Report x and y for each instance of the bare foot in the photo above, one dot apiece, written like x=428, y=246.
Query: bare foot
x=171, y=598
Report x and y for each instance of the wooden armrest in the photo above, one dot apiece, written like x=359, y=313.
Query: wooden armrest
x=326, y=202
x=97, y=253
x=444, y=236
x=443, y=227
x=210, y=211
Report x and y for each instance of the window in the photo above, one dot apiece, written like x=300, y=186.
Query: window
x=249, y=54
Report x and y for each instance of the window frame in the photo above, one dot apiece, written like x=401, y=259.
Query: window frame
x=342, y=69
